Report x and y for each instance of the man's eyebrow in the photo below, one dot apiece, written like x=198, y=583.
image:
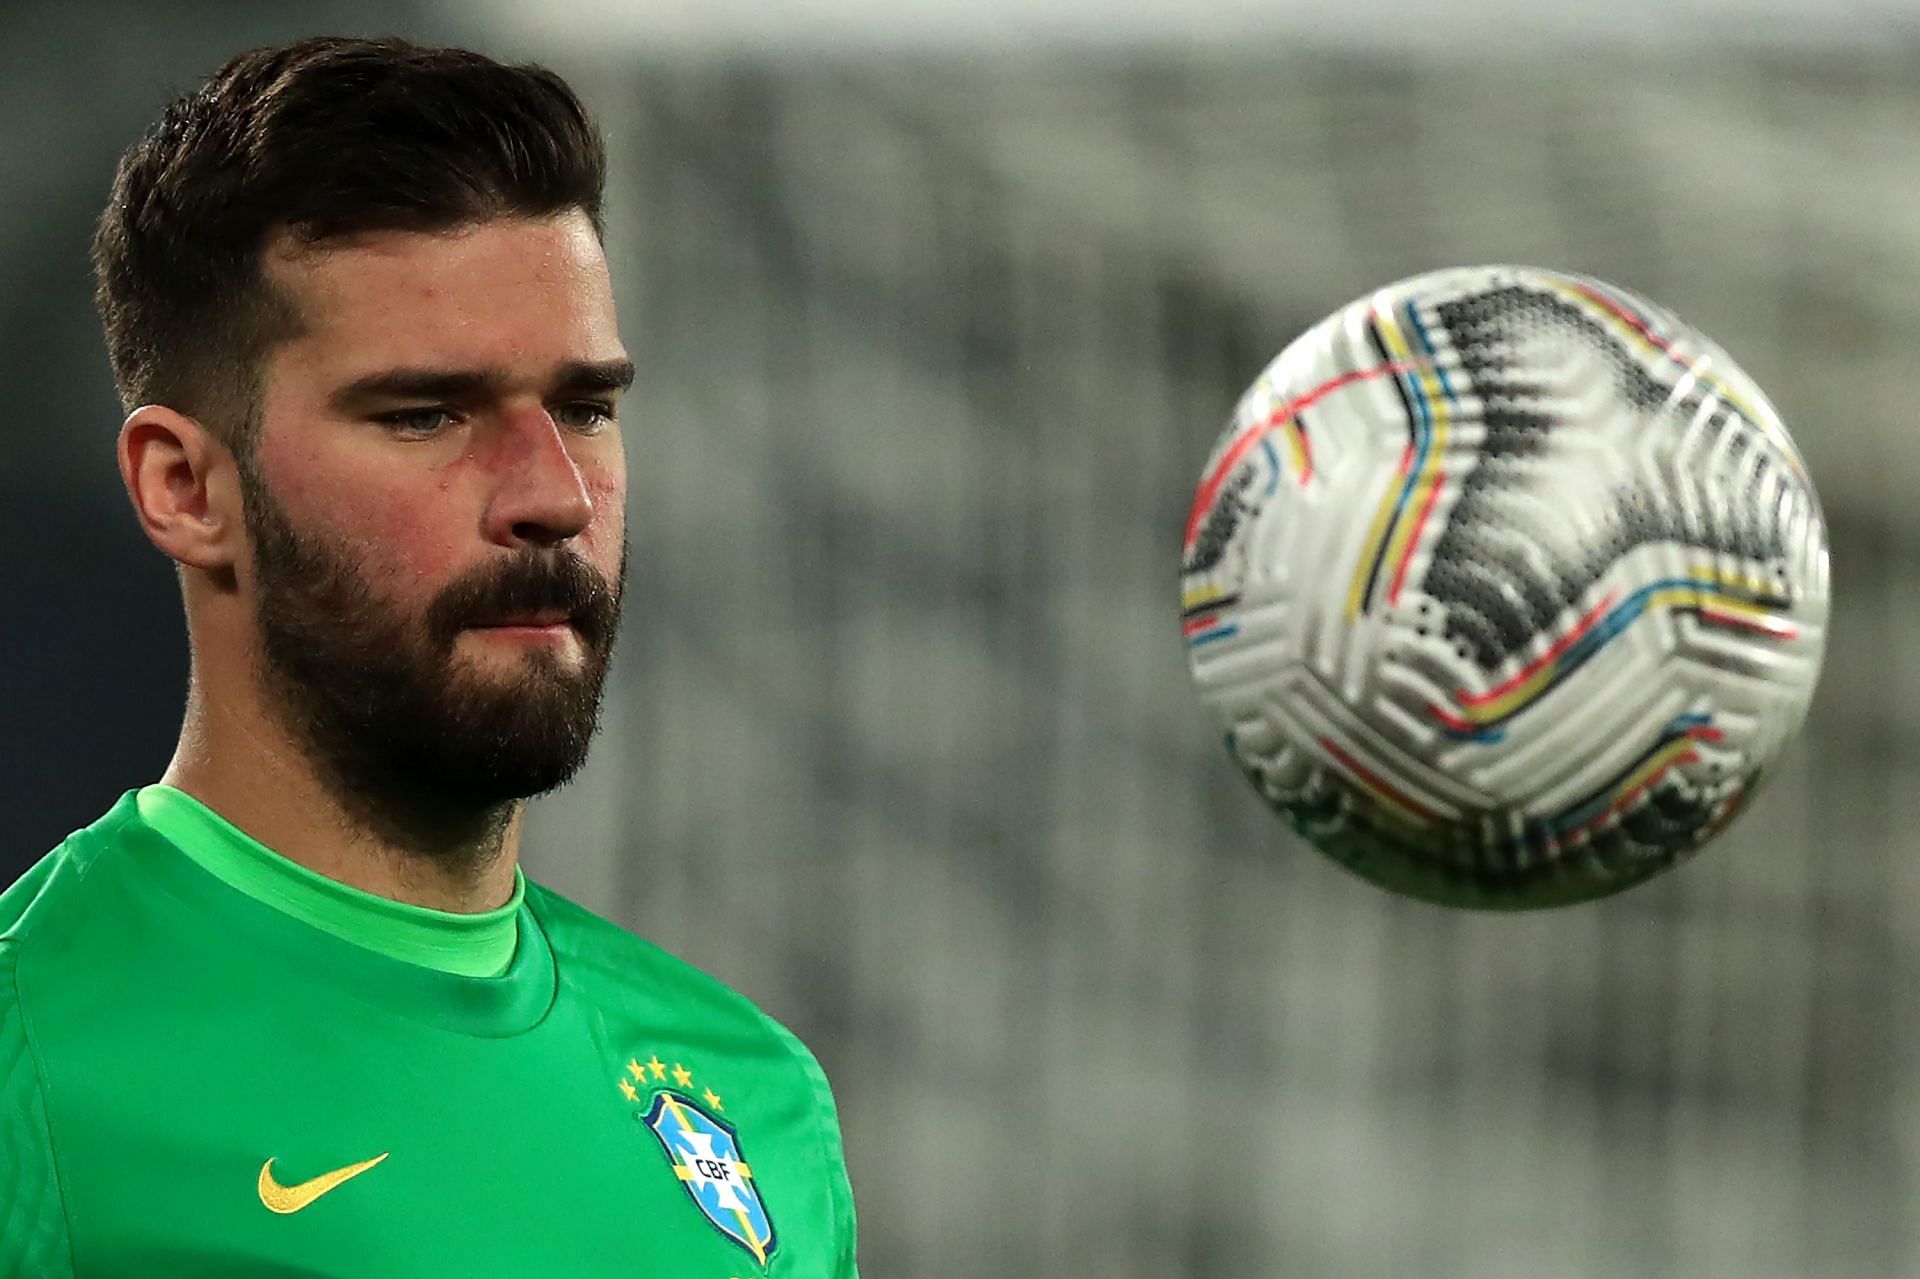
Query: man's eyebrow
x=576, y=378
x=582, y=378
x=410, y=384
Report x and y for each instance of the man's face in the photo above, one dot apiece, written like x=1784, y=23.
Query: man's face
x=436, y=507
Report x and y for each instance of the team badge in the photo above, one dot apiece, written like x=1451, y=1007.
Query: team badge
x=705, y=1154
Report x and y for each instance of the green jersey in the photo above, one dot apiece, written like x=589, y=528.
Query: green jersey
x=195, y=1080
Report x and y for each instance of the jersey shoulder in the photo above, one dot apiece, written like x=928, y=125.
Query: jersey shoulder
x=612, y=967
x=66, y=889
x=630, y=980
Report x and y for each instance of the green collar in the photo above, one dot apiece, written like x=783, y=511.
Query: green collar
x=479, y=945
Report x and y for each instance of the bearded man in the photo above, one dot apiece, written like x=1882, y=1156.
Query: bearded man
x=294, y=1009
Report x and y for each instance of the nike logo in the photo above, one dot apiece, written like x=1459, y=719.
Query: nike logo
x=285, y=1199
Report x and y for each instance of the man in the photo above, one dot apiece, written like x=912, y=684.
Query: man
x=294, y=1010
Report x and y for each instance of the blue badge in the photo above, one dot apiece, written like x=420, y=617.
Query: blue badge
x=706, y=1157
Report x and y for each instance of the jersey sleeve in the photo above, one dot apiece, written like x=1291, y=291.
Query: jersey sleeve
x=846, y=1264
x=33, y=1225
x=832, y=1153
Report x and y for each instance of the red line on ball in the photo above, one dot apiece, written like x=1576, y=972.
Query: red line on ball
x=1374, y=780
x=1210, y=487
x=1413, y=538
x=1566, y=641
x=1769, y=626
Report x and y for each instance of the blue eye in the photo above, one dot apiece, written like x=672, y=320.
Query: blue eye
x=416, y=421
x=586, y=416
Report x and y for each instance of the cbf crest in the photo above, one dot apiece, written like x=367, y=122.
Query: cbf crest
x=704, y=1151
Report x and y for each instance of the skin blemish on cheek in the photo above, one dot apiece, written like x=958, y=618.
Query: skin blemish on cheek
x=604, y=490
x=456, y=468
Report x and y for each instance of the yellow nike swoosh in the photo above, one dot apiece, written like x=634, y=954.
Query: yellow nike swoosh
x=284, y=1199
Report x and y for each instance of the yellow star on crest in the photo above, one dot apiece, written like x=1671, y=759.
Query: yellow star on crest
x=682, y=1076
x=636, y=1070
x=632, y=1093
x=658, y=1067
x=713, y=1099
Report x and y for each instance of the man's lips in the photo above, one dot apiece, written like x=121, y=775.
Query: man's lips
x=547, y=626
x=543, y=618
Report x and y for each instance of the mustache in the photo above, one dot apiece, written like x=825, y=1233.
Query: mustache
x=532, y=581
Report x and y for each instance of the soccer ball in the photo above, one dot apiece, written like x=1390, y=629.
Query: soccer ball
x=1506, y=586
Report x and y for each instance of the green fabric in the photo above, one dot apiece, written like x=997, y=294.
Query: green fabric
x=33, y=1229
x=599, y=1109
x=478, y=945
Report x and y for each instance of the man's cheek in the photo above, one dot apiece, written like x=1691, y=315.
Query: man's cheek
x=608, y=493
x=401, y=539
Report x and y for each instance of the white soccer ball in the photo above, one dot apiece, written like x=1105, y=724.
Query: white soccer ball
x=1506, y=587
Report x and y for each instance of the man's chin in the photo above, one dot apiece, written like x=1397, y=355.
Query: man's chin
x=485, y=790
x=490, y=759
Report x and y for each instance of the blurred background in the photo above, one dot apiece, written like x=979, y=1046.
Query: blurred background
x=938, y=310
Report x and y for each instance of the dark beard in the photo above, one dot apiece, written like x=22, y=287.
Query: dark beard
x=401, y=736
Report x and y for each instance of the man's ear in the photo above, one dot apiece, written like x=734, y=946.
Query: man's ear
x=184, y=486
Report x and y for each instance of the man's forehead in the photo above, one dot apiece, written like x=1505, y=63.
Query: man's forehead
x=503, y=291
x=473, y=258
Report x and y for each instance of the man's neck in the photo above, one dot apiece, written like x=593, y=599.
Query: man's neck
x=256, y=776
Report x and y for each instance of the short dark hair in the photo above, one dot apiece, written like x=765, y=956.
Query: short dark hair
x=324, y=138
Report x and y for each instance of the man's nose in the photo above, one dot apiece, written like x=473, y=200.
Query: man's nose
x=540, y=497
